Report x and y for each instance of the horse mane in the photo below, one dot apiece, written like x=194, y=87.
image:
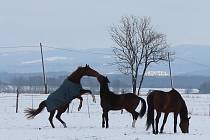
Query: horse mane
x=105, y=87
x=73, y=73
x=183, y=111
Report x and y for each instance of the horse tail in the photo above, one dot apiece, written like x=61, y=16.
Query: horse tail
x=150, y=111
x=143, y=107
x=31, y=113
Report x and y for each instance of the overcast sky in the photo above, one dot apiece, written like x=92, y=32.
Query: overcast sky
x=85, y=23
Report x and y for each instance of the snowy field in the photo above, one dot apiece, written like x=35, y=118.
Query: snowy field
x=14, y=126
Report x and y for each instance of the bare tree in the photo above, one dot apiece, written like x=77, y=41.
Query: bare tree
x=138, y=46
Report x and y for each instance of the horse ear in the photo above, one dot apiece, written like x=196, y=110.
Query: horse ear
x=107, y=79
x=86, y=65
x=189, y=118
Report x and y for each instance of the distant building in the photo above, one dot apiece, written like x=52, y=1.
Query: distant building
x=156, y=73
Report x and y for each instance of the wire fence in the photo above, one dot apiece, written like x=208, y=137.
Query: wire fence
x=197, y=104
x=86, y=51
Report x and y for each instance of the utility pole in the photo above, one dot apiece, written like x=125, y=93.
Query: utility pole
x=43, y=70
x=169, y=64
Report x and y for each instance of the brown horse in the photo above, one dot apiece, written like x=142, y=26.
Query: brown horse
x=112, y=101
x=167, y=102
x=69, y=90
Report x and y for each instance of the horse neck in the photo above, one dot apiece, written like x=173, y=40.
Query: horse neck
x=76, y=76
x=183, y=111
x=104, y=88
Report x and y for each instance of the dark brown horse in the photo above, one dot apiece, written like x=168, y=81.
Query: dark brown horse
x=112, y=101
x=53, y=103
x=167, y=102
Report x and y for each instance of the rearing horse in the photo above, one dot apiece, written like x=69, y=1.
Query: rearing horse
x=167, y=102
x=60, y=99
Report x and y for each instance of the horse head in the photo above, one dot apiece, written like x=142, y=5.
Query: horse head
x=103, y=79
x=184, y=125
x=88, y=71
x=82, y=71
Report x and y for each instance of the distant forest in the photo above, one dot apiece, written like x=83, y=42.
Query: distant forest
x=34, y=82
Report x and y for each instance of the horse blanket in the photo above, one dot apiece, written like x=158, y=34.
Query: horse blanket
x=64, y=94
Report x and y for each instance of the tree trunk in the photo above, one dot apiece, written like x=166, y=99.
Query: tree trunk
x=142, y=79
x=134, y=84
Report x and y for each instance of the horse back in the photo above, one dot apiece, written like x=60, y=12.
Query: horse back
x=165, y=101
x=119, y=101
x=131, y=100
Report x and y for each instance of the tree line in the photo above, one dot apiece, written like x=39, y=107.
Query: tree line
x=119, y=83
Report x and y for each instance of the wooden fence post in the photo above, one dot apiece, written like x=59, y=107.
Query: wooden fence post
x=17, y=100
x=68, y=109
x=72, y=106
x=123, y=92
x=88, y=107
x=209, y=109
x=32, y=101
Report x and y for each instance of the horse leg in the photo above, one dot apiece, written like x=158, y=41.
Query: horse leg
x=164, y=122
x=103, y=120
x=80, y=103
x=83, y=91
x=153, y=126
x=175, y=121
x=51, y=118
x=107, y=119
x=135, y=116
x=58, y=116
x=157, y=121
x=60, y=111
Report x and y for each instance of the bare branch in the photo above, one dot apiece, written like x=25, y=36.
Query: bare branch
x=137, y=44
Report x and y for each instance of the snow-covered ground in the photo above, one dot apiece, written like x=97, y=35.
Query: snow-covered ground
x=14, y=126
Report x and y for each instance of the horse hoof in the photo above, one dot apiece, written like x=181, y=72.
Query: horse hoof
x=64, y=125
x=154, y=132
